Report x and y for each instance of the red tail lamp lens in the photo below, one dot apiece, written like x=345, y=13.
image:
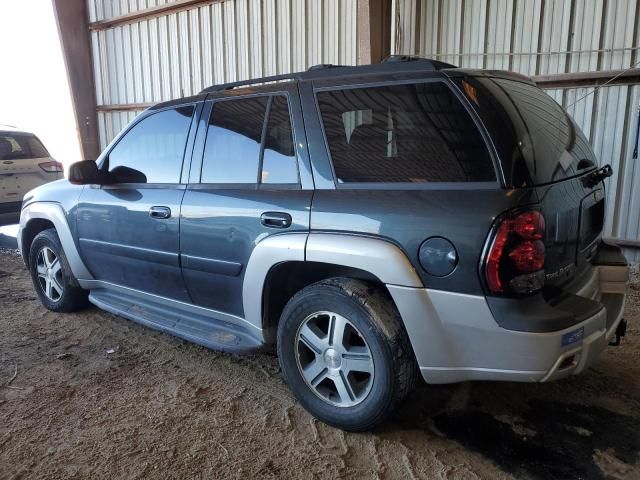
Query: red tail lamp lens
x=529, y=225
x=517, y=249
x=528, y=256
x=495, y=254
x=51, y=167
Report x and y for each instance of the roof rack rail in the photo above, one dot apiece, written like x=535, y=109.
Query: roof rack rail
x=242, y=83
x=436, y=64
x=322, y=66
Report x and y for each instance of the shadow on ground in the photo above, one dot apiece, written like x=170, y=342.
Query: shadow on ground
x=555, y=440
x=526, y=436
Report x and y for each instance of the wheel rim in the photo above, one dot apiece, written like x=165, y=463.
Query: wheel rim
x=334, y=359
x=49, y=270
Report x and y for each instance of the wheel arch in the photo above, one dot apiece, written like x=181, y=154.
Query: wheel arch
x=32, y=228
x=40, y=216
x=282, y=265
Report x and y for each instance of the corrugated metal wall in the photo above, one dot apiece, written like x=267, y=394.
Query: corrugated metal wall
x=535, y=37
x=181, y=53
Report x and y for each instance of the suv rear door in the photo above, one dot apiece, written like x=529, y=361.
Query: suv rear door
x=250, y=179
x=128, y=230
x=24, y=165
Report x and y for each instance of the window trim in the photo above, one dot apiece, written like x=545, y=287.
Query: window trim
x=104, y=163
x=258, y=185
x=410, y=185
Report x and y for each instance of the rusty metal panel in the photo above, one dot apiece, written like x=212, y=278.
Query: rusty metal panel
x=586, y=35
x=473, y=33
x=499, y=27
x=107, y=9
x=178, y=54
x=554, y=37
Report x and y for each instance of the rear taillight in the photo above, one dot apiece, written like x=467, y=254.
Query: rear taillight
x=515, y=261
x=51, y=167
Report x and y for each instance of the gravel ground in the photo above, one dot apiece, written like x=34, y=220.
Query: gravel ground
x=158, y=407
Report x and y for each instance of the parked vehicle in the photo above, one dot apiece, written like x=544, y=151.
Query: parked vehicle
x=373, y=223
x=24, y=165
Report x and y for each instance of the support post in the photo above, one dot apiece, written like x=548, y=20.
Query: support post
x=72, y=21
x=374, y=30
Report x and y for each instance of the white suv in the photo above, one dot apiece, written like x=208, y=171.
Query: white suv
x=24, y=164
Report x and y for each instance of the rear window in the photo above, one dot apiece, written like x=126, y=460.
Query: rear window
x=538, y=142
x=415, y=133
x=16, y=146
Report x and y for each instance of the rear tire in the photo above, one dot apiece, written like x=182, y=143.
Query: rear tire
x=345, y=354
x=52, y=278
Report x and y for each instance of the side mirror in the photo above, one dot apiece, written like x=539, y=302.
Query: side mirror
x=126, y=175
x=84, y=173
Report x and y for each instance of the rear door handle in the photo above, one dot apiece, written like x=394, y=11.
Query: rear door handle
x=160, y=212
x=275, y=219
x=8, y=162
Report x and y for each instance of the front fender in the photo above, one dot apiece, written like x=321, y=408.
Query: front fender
x=54, y=212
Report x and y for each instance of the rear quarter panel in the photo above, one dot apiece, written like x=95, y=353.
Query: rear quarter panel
x=408, y=217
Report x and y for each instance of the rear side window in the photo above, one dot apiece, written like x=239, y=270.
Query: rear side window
x=238, y=146
x=537, y=141
x=17, y=146
x=155, y=145
x=234, y=135
x=416, y=133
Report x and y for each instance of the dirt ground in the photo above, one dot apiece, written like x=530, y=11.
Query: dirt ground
x=158, y=407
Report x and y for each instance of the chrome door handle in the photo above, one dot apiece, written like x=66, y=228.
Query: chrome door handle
x=161, y=213
x=275, y=219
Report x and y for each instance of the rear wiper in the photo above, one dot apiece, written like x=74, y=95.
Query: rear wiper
x=597, y=176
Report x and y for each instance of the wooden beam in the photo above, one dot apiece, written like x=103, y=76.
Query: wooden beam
x=588, y=79
x=123, y=107
x=374, y=30
x=150, y=12
x=71, y=18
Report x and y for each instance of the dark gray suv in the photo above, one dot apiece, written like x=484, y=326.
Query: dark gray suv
x=375, y=223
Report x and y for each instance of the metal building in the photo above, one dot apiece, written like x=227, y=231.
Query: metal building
x=568, y=47
x=123, y=55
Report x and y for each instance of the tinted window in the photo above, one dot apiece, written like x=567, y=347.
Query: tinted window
x=403, y=133
x=234, y=135
x=16, y=146
x=279, y=164
x=537, y=140
x=155, y=145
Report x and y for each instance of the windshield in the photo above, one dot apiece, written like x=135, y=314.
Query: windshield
x=537, y=141
x=17, y=146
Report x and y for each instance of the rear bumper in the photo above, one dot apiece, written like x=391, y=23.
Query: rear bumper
x=456, y=338
x=574, y=360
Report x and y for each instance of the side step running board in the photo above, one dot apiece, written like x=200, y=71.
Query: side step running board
x=196, y=328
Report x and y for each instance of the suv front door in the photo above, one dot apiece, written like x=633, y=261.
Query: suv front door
x=128, y=230
x=254, y=181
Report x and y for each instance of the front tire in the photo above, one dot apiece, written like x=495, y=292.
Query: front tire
x=345, y=354
x=52, y=278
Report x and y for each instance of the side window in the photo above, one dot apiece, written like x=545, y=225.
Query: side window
x=155, y=146
x=21, y=146
x=234, y=135
x=279, y=164
x=415, y=133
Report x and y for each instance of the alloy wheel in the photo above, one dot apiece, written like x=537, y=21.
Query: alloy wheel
x=334, y=359
x=49, y=270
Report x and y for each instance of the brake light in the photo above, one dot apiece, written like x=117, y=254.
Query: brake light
x=515, y=261
x=51, y=167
